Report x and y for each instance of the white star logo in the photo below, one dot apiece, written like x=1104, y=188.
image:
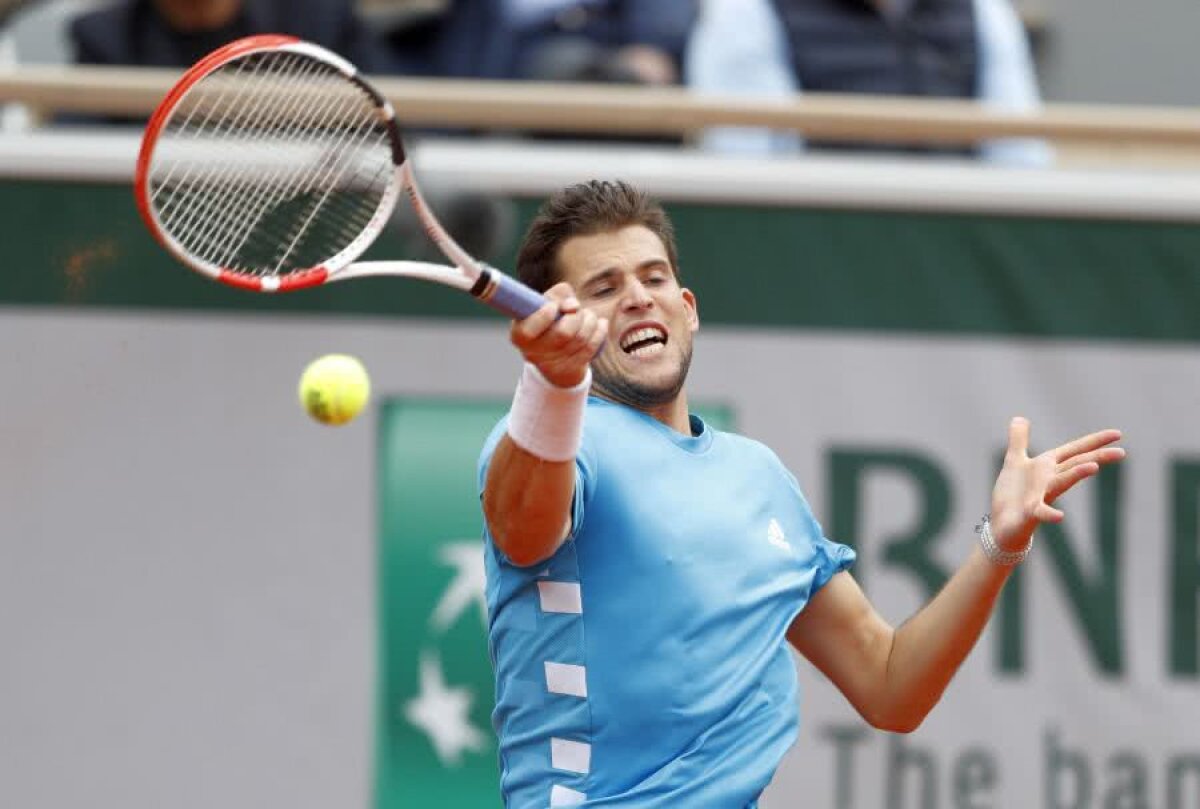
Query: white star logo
x=444, y=715
x=466, y=558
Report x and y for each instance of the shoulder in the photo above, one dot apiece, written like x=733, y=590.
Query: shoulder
x=747, y=447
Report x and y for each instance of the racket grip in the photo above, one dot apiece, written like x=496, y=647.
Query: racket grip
x=511, y=297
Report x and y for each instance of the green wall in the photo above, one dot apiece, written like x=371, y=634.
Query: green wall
x=83, y=244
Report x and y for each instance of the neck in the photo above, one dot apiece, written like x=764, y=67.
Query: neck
x=673, y=414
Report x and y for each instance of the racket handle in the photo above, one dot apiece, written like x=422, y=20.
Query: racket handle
x=510, y=296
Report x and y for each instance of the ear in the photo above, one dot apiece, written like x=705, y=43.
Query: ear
x=693, y=310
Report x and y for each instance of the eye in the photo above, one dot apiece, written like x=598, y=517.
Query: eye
x=603, y=291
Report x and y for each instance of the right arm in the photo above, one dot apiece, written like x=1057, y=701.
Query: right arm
x=527, y=498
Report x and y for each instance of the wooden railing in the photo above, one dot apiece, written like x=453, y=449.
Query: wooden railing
x=620, y=109
x=1098, y=130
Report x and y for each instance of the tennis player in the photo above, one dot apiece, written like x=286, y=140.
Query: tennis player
x=645, y=570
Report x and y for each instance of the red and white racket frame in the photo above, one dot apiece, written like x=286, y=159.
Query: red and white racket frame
x=303, y=278
x=485, y=283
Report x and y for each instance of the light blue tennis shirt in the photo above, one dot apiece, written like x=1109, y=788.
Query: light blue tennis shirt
x=645, y=664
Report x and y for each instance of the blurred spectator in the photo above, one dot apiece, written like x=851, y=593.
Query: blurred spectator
x=634, y=41
x=933, y=48
x=35, y=33
x=176, y=33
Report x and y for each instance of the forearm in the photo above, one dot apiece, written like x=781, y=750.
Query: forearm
x=894, y=677
x=929, y=648
x=531, y=475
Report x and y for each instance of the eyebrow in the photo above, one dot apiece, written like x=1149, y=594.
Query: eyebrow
x=608, y=273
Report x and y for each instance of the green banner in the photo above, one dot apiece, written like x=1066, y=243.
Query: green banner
x=435, y=746
x=434, y=740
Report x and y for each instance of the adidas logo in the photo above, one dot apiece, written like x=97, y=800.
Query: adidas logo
x=776, y=536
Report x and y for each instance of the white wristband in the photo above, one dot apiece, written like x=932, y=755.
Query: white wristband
x=546, y=420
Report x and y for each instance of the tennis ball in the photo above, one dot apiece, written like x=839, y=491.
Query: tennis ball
x=334, y=388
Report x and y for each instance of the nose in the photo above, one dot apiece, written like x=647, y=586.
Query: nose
x=636, y=295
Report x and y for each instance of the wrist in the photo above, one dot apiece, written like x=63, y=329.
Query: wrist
x=566, y=381
x=546, y=420
x=992, y=549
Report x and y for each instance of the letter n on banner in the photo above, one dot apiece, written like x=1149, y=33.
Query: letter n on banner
x=434, y=740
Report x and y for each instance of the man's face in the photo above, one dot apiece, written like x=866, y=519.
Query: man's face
x=625, y=276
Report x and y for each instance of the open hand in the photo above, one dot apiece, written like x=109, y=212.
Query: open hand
x=1026, y=488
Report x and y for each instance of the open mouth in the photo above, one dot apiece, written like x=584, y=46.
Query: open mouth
x=644, y=341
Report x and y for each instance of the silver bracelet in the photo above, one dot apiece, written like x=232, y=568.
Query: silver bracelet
x=992, y=550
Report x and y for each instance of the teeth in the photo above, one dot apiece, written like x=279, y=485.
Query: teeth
x=641, y=334
x=646, y=350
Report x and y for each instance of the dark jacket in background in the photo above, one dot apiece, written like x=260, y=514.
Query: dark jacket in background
x=134, y=33
x=848, y=46
x=476, y=39
x=931, y=50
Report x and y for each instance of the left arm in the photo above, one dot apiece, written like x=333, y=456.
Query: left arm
x=894, y=677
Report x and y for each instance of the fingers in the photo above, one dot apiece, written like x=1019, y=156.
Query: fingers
x=1048, y=513
x=1087, y=443
x=1064, y=480
x=1018, y=440
x=1082, y=458
x=560, y=299
x=1018, y=436
x=561, y=337
x=1103, y=456
x=589, y=340
x=1027, y=487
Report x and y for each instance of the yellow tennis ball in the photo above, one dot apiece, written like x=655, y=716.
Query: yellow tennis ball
x=334, y=388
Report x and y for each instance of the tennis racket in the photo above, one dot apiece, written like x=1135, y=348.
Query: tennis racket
x=271, y=166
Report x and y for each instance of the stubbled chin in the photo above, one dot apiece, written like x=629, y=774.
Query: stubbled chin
x=644, y=383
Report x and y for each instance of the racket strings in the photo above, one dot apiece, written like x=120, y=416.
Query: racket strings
x=300, y=186
x=214, y=213
x=190, y=136
x=344, y=220
x=273, y=164
x=276, y=185
x=199, y=209
x=246, y=213
x=205, y=214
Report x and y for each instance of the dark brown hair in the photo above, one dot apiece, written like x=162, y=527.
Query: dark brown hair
x=597, y=206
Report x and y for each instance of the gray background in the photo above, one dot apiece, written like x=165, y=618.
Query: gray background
x=1120, y=52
